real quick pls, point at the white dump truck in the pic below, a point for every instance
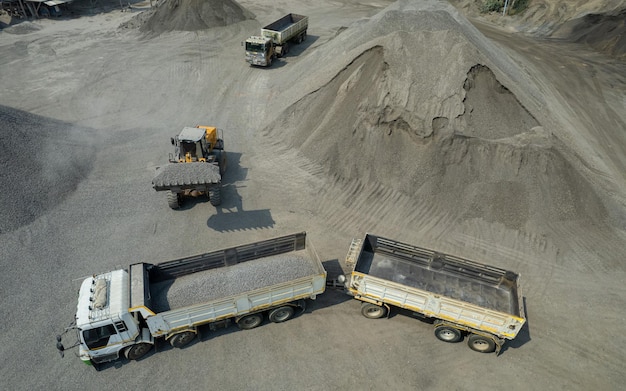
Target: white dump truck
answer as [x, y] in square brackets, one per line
[464, 298]
[124, 312]
[275, 39]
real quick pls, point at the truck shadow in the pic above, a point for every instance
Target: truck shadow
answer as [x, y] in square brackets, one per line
[295, 50]
[523, 336]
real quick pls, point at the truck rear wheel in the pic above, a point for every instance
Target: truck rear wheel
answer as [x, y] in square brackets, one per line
[481, 344]
[173, 200]
[137, 351]
[373, 311]
[250, 321]
[281, 314]
[215, 195]
[448, 334]
[182, 339]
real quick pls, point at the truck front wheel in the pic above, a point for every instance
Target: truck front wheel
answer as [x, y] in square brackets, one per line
[373, 311]
[281, 314]
[137, 351]
[182, 339]
[481, 344]
[250, 321]
[448, 334]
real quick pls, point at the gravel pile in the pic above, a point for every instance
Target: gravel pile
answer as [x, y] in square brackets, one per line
[189, 15]
[456, 136]
[42, 161]
[180, 174]
[218, 283]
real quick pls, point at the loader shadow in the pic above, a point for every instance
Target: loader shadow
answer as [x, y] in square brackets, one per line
[231, 216]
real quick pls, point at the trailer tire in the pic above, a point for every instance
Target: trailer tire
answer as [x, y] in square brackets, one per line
[448, 334]
[173, 200]
[137, 351]
[281, 314]
[250, 321]
[481, 344]
[182, 339]
[215, 195]
[373, 311]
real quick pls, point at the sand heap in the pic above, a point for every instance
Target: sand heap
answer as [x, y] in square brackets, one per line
[42, 162]
[189, 15]
[420, 110]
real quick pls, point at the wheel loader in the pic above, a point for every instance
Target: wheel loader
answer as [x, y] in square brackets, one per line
[195, 168]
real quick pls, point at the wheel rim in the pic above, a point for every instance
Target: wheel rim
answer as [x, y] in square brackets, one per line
[374, 312]
[282, 314]
[447, 335]
[481, 345]
[250, 322]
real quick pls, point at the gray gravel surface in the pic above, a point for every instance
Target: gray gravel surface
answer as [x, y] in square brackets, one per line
[135, 91]
[228, 281]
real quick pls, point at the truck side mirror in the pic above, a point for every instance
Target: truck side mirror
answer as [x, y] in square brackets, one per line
[172, 141]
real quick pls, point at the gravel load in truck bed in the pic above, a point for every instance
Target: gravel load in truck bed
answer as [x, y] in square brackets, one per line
[186, 174]
[227, 281]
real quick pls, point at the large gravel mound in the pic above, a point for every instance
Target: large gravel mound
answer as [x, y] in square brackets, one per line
[451, 135]
[189, 15]
[42, 161]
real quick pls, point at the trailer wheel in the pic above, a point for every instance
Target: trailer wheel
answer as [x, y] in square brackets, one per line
[137, 351]
[182, 339]
[215, 195]
[173, 200]
[250, 321]
[373, 311]
[481, 344]
[448, 334]
[281, 314]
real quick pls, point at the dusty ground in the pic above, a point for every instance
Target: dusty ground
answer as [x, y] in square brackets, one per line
[408, 123]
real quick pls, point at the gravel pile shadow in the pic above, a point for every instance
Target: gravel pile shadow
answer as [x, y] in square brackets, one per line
[605, 33]
[189, 15]
[42, 161]
[433, 122]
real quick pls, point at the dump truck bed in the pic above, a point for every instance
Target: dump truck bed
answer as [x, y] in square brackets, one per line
[439, 285]
[181, 176]
[196, 290]
[285, 28]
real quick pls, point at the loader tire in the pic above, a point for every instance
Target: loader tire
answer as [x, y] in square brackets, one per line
[215, 195]
[173, 200]
[137, 351]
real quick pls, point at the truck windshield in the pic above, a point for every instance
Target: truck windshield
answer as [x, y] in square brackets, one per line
[98, 337]
[255, 47]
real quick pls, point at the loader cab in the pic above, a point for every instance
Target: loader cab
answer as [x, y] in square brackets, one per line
[191, 145]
